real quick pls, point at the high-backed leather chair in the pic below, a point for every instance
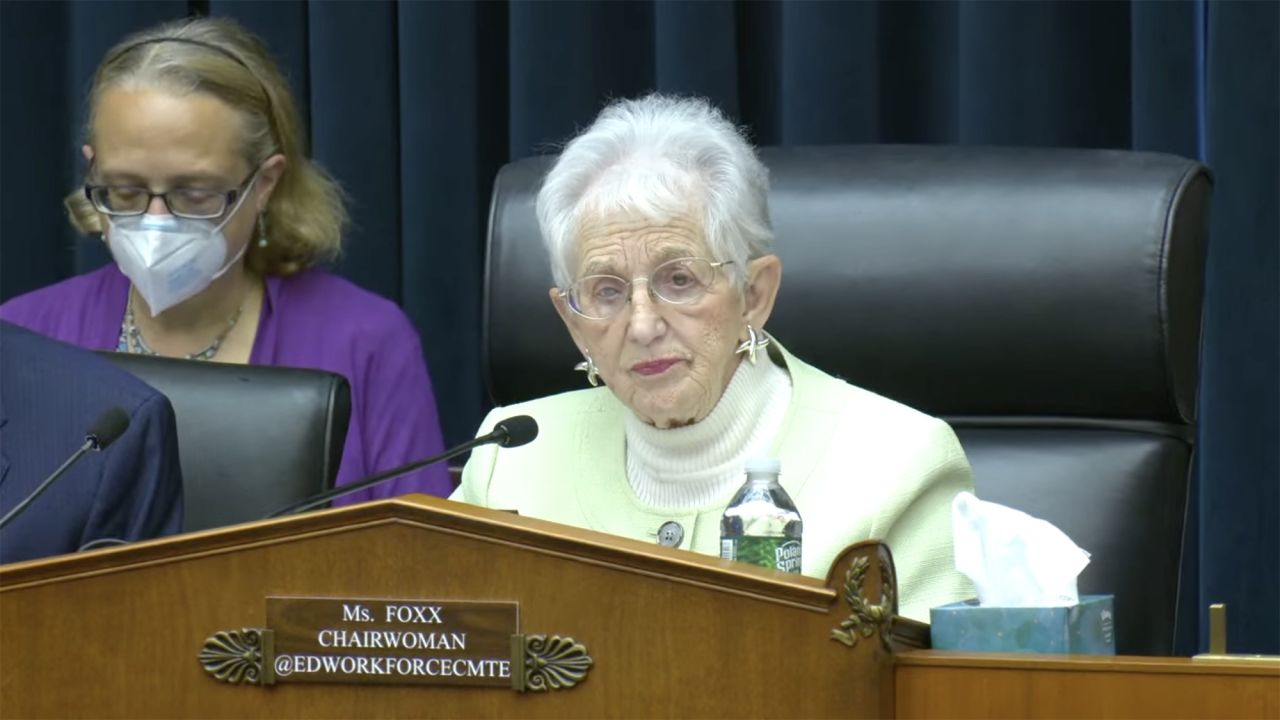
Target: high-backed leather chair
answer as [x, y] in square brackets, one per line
[252, 439]
[1045, 302]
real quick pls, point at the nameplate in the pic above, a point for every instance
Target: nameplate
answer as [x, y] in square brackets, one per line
[427, 642]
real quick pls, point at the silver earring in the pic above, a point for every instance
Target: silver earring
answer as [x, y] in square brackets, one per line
[262, 230]
[755, 341]
[588, 366]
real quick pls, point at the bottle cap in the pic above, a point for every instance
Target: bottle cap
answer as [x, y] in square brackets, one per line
[763, 466]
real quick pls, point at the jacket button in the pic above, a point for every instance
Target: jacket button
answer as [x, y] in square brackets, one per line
[670, 534]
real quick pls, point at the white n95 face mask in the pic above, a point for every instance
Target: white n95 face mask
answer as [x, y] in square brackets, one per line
[169, 259]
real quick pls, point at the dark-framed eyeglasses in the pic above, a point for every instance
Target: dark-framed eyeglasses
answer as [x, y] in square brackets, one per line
[192, 203]
[676, 282]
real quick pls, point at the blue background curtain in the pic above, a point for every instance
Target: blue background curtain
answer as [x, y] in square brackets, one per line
[414, 105]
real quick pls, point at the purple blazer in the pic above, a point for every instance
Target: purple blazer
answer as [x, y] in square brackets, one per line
[310, 320]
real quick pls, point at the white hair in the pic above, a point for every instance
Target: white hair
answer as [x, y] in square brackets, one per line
[658, 157]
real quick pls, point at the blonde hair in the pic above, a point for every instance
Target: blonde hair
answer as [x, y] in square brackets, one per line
[306, 214]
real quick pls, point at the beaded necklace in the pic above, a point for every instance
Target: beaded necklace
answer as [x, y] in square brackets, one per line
[131, 340]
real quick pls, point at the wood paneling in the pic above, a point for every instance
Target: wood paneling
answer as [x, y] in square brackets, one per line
[933, 684]
[115, 633]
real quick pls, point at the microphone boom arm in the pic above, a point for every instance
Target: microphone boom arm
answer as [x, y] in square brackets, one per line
[90, 443]
[498, 435]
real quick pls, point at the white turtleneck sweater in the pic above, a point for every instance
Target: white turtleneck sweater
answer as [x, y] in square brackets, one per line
[857, 465]
[700, 465]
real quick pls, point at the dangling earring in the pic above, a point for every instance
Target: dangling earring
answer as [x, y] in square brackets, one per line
[262, 230]
[589, 367]
[755, 341]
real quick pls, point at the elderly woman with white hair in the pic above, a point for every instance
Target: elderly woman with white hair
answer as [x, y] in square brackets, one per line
[657, 225]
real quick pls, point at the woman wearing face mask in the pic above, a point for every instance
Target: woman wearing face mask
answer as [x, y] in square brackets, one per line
[216, 220]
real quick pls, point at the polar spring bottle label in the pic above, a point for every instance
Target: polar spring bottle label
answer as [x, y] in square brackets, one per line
[779, 553]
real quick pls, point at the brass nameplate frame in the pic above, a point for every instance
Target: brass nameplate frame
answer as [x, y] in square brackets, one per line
[1218, 642]
[394, 642]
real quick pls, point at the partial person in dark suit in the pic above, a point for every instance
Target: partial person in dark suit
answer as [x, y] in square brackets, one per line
[50, 395]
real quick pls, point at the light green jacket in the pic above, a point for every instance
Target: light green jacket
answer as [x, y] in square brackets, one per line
[857, 465]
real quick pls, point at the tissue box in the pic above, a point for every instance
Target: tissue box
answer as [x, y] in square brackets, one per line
[1082, 629]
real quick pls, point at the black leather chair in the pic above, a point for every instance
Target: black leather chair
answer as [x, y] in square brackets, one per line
[1045, 302]
[252, 439]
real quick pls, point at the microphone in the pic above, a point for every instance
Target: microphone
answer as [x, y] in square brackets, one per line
[512, 432]
[109, 426]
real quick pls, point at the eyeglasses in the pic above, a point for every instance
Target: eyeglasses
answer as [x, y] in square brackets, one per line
[677, 282]
[193, 203]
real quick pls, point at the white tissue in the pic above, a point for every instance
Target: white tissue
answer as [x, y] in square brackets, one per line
[1013, 559]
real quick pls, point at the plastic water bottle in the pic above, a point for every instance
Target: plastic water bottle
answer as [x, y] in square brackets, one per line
[761, 525]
